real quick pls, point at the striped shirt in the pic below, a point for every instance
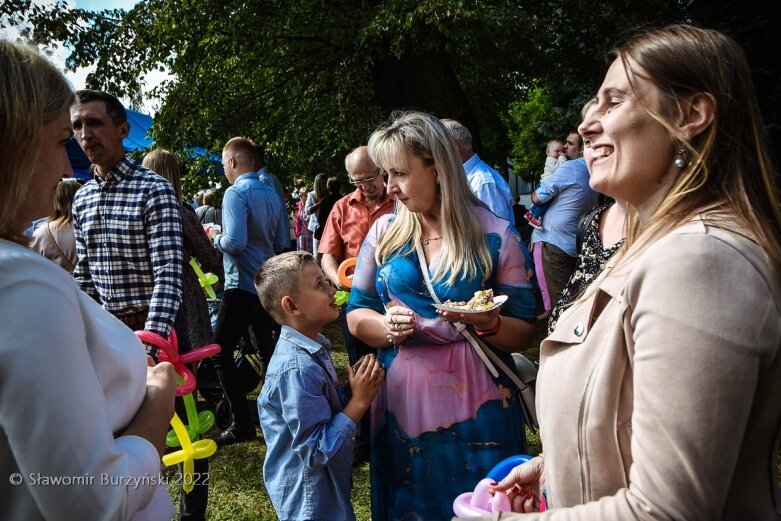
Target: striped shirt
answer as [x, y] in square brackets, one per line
[129, 243]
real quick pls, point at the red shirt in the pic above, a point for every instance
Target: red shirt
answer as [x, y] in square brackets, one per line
[349, 222]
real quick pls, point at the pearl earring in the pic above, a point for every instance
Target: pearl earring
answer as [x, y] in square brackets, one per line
[680, 161]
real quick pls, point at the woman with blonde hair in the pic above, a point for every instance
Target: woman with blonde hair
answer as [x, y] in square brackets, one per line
[79, 407]
[671, 357]
[55, 239]
[442, 419]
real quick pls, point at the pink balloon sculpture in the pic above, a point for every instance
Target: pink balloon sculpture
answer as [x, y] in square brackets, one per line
[169, 352]
[481, 502]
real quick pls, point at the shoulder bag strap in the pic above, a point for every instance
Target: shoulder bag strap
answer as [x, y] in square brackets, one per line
[68, 265]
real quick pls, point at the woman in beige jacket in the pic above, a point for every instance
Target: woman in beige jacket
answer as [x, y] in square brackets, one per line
[659, 391]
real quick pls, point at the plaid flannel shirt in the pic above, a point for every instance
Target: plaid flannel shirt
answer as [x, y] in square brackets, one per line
[129, 243]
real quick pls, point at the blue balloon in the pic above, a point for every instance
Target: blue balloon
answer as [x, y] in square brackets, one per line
[501, 469]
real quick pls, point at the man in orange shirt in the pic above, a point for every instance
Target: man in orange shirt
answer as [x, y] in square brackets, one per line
[346, 228]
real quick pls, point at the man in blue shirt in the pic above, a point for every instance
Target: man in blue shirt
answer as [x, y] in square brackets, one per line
[554, 246]
[253, 230]
[265, 176]
[486, 183]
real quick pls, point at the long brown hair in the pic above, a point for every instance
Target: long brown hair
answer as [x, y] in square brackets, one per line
[729, 168]
[63, 202]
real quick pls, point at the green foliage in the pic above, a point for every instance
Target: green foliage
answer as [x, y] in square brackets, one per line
[532, 121]
[309, 80]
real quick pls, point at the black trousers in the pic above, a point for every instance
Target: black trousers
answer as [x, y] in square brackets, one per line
[240, 310]
[356, 348]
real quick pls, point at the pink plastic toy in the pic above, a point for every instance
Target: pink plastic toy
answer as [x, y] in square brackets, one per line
[169, 352]
[481, 502]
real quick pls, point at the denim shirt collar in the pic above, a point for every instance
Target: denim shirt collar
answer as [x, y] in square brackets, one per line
[303, 341]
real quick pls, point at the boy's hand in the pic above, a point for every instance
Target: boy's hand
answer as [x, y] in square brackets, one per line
[365, 380]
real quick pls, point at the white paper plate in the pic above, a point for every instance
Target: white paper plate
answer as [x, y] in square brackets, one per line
[498, 301]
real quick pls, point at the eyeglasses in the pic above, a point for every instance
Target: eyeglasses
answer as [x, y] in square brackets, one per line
[359, 182]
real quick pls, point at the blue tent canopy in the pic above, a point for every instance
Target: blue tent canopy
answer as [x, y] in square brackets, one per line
[137, 138]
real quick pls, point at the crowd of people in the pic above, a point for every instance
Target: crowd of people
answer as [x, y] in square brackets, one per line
[661, 305]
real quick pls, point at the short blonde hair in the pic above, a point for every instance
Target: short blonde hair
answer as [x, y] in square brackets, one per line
[280, 277]
[32, 92]
[242, 148]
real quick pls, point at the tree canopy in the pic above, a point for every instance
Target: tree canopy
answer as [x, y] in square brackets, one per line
[310, 79]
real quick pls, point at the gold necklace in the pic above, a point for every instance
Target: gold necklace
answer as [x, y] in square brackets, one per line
[427, 240]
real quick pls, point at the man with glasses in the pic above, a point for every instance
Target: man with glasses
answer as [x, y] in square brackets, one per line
[346, 228]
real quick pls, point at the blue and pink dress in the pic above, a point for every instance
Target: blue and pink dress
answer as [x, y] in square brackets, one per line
[440, 421]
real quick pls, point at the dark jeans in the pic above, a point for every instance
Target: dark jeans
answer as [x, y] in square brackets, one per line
[558, 268]
[240, 309]
[355, 350]
[538, 210]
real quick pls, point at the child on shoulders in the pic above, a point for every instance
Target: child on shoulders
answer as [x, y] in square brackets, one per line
[307, 421]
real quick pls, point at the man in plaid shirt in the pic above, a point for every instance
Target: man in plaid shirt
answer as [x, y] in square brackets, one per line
[127, 223]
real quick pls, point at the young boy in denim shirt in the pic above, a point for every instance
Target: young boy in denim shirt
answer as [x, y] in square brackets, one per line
[308, 433]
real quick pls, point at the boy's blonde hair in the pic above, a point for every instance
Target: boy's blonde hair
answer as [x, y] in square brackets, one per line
[280, 276]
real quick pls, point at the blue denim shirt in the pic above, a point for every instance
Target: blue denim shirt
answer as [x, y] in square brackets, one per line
[273, 181]
[571, 198]
[252, 228]
[309, 440]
